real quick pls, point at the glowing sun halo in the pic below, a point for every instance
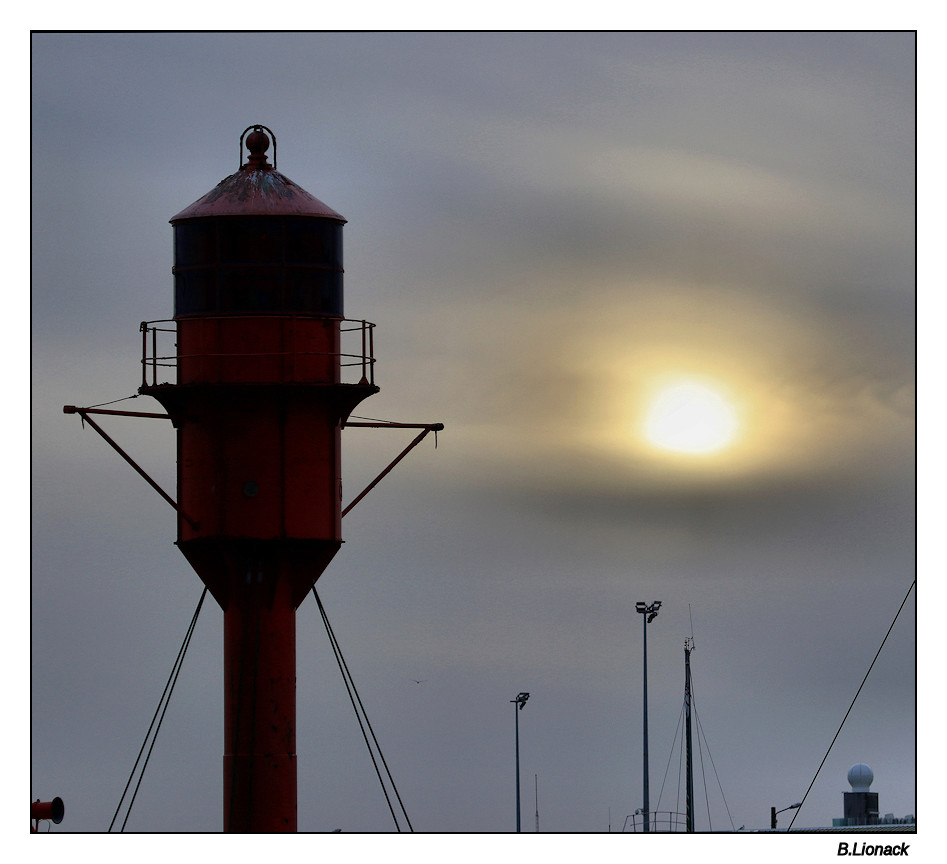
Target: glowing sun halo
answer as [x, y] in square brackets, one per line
[690, 418]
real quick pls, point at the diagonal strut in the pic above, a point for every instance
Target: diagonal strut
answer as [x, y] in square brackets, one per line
[424, 427]
[84, 414]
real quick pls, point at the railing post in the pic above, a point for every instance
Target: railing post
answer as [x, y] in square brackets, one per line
[371, 353]
[144, 353]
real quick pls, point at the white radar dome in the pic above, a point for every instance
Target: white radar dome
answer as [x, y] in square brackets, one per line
[860, 777]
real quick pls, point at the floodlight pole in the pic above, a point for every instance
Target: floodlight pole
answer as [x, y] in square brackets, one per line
[519, 702]
[648, 614]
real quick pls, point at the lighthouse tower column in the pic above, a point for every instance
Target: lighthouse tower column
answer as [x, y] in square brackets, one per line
[260, 708]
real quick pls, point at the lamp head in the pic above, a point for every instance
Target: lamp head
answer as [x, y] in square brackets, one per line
[651, 611]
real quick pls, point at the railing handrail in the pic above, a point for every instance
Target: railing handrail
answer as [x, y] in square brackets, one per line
[347, 359]
[674, 820]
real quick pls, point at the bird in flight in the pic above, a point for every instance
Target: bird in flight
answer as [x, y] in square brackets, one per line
[415, 680]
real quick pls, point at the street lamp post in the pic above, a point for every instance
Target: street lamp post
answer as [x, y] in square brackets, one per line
[773, 813]
[649, 613]
[519, 702]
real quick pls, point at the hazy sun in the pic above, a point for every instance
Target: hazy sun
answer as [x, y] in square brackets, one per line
[692, 418]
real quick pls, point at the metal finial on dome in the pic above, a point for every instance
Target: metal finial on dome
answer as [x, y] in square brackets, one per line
[257, 143]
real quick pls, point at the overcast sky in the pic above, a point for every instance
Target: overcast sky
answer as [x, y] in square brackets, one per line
[545, 228]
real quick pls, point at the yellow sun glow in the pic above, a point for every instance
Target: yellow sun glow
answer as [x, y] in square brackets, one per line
[689, 417]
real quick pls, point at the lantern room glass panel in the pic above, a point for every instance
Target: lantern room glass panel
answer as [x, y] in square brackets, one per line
[265, 265]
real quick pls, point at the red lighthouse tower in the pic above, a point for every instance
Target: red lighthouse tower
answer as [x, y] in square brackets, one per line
[258, 406]
[268, 371]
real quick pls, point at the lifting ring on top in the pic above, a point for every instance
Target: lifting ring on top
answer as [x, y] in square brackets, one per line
[256, 127]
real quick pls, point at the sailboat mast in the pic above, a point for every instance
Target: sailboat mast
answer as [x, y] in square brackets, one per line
[536, 777]
[688, 645]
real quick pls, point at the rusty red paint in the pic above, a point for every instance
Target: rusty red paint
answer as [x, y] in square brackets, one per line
[260, 706]
[257, 189]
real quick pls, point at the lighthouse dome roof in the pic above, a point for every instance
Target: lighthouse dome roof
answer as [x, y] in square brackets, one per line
[257, 189]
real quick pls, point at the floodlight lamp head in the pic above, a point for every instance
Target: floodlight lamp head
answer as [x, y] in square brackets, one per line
[521, 700]
[641, 607]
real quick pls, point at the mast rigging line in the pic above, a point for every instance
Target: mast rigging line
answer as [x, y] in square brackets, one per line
[700, 735]
[113, 401]
[667, 767]
[852, 705]
[163, 701]
[361, 715]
